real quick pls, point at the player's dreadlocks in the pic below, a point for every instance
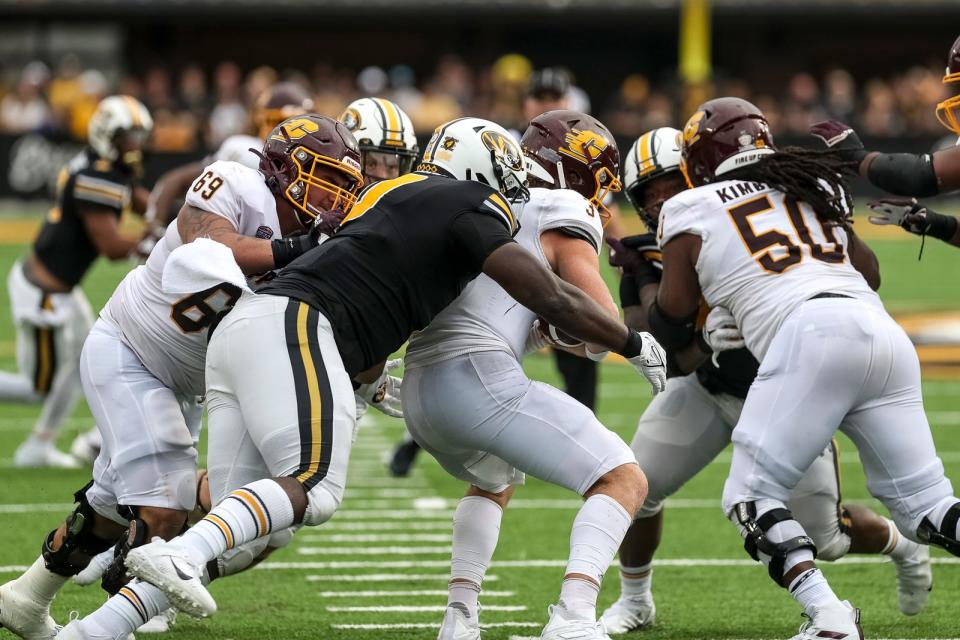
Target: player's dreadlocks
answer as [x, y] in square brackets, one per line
[812, 176]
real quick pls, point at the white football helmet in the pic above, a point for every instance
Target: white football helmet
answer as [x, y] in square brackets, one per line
[480, 150]
[655, 153]
[382, 129]
[116, 117]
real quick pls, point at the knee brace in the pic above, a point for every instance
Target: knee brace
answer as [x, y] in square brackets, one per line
[80, 544]
[239, 558]
[946, 536]
[321, 505]
[758, 542]
[115, 576]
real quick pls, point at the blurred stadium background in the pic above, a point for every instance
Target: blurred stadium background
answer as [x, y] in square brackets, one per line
[636, 64]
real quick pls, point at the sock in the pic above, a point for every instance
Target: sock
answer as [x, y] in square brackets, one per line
[636, 582]
[898, 546]
[810, 589]
[596, 535]
[476, 529]
[123, 613]
[580, 597]
[40, 582]
[253, 511]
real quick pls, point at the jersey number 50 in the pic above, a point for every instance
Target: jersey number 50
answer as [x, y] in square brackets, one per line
[762, 246]
[198, 310]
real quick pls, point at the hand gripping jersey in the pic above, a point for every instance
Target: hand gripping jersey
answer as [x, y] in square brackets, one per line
[168, 332]
[406, 250]
[485, 317]
[763, 254]
[87, 183]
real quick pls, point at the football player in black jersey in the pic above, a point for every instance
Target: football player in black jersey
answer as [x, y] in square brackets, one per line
[909, 174]
[687, 426]
[51, 314]
[282, 366]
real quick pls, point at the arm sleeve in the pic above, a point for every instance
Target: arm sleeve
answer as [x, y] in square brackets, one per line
[216, 190]
[904, 174]
[100, 190]
[475, 235]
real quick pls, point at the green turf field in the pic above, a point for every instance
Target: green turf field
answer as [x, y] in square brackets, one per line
[378, 570]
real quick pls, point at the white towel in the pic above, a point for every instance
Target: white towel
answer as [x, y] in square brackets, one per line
[199, 265]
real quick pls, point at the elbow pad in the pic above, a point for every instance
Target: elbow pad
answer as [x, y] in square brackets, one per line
[673, 334]
[904, 174]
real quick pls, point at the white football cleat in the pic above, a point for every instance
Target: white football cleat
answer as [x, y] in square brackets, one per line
[167, 566]
[22, 615]
[94, 571]
[86, 446]
[567, 625]
[629, 614]
[160, 623]
[36, 453]
[834, 621]
[458, 625]
[914, 580]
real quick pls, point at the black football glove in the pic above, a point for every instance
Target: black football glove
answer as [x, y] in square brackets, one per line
[841, 138]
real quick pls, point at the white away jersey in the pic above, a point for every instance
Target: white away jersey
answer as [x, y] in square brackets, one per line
[237, 149]
[762, 254]
[169, 332]
[484, 317]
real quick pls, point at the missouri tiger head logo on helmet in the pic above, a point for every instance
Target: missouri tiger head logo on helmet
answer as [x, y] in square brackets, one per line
[651, 172]
[281, 101]
[480, 150]
[313, 163]
[388, 144]
[948, 111]
[571, 150]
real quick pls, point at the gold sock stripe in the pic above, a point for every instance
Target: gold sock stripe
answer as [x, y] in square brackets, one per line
[253, 504]
[134, 601]
[224, 528]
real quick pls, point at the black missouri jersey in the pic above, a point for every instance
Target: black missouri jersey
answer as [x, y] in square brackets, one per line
[406, 250]
[87, 183]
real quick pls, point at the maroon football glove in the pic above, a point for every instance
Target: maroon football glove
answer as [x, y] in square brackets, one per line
[841, 138]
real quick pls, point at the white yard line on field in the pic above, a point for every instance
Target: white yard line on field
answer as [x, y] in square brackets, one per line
[425, 625]
[387, 577]
[405, 514]
[430, 608]
[389, 537]
[373, 551]
[363, 493]
[422, 525]
[407, 593]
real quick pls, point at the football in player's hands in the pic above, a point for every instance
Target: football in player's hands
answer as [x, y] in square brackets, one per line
[556, 337]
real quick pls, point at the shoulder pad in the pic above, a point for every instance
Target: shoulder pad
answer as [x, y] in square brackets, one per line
[102, 188]
[567, 209]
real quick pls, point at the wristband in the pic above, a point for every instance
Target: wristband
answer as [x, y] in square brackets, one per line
[633, 346]
[940, 226]
[286, 250]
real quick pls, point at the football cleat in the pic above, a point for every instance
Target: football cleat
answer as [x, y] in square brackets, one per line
[914, 581]
[458, 625]
[565, 624]
[629, 614]
[36, 453]
[86, 446]
[160, 623]
[167, 566]
[833, 622]
[22, 615]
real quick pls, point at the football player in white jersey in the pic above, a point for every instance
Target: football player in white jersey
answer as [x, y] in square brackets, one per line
[762, 235]
[685, 427]
[142, 365]
[468, 402]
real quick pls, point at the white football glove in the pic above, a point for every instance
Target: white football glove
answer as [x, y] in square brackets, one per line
[94, 571]
[651, 362]
[903, 212]
[384, 394]
[720, 331]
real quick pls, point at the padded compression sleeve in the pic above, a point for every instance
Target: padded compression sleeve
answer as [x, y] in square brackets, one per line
[904, 174]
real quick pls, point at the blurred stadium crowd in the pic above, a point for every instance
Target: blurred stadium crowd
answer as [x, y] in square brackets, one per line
[197, 108]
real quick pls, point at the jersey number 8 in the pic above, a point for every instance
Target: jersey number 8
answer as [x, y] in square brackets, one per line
[198, 310]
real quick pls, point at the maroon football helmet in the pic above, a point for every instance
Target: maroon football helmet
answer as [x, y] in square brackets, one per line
[571, 150]
[281, 101]
[948, 111]
[295, 155]
[724, 134]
